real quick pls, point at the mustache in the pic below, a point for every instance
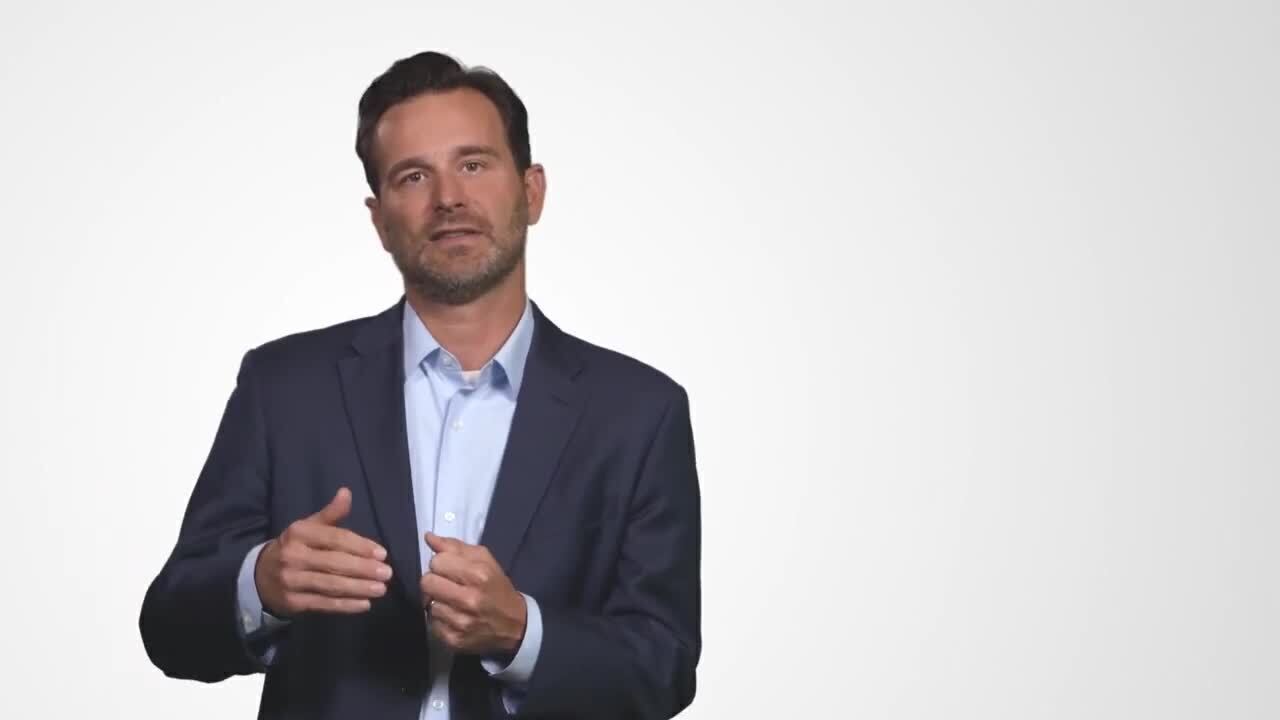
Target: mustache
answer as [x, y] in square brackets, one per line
[457, 220]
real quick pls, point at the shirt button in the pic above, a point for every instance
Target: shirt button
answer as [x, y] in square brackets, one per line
[437, 704]
[457, 424]
[449, 517]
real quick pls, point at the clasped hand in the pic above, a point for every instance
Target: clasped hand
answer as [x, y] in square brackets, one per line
[316, 566]
[471, 605]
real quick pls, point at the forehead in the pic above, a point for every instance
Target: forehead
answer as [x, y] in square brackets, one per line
[435, 123]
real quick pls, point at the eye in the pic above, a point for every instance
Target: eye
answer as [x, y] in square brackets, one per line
[472, 166]
[414, 177]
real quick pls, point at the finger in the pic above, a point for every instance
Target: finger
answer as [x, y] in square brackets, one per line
[449, 616]
[455, 567]
[336, 562]
[337, 586]
[443, 590]
[439, 543]
[311, 602]
[337, 508]
[452, 627]
[446, 634]
[323, 537]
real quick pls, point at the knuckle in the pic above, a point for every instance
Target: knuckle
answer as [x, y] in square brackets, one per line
[323, 583]
[290, 553]
[303, 580]
[325, 562]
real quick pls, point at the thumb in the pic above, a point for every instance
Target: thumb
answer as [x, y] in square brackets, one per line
[337, 508]
[439, 544]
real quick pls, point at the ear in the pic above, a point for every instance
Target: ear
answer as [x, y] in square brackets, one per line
[375, 216]
[535, 191]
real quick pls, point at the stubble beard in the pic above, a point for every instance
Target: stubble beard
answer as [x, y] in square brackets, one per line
[437, 284]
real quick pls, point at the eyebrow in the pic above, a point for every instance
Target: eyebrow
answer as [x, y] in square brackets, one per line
[459, 152]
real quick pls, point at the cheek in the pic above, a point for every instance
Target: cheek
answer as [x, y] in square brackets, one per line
[402, 222]
[496, 199]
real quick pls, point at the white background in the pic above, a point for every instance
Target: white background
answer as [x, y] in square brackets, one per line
[976, 304]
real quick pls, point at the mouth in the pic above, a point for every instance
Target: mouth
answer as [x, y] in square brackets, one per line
[453, 233]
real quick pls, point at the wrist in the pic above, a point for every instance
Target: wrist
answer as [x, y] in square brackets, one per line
[263, 586]
[514, 636]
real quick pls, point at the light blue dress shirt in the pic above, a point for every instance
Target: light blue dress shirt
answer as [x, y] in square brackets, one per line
[457, 424]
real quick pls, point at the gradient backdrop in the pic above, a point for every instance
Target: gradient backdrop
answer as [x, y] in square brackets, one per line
[976, 303]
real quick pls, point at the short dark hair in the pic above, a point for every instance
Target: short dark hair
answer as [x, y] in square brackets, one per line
[429, 72]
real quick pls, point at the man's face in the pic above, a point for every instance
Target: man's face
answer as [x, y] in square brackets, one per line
[452, 209]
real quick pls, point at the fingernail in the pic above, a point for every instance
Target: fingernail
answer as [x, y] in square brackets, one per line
[384, 572]
[380, 553]
[377, 588]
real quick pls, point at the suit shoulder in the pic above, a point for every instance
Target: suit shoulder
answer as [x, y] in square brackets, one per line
[615, 371]
[308, 348]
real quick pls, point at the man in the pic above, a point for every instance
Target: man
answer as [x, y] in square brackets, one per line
[451, 509]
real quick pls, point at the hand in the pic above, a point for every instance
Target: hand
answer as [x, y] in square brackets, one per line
[473, 606]
[315, 565]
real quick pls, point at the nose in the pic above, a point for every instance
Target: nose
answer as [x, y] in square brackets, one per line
[449, 195]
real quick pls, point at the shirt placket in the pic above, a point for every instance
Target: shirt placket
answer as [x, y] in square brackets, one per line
[448, 516]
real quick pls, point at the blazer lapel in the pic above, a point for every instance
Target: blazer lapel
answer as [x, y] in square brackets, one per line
[547, 409]
[373, 386]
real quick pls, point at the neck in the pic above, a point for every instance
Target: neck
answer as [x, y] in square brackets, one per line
[473, 333]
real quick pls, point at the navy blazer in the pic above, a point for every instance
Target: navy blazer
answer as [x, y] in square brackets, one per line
[595, 515]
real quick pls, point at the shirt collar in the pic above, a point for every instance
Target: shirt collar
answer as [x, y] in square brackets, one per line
[420, 346]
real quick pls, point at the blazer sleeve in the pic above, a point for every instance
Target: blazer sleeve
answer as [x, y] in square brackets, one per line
[189, 621]
[637, 657]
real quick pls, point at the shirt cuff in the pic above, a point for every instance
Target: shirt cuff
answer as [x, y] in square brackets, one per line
[520, 669]
[253, 617]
